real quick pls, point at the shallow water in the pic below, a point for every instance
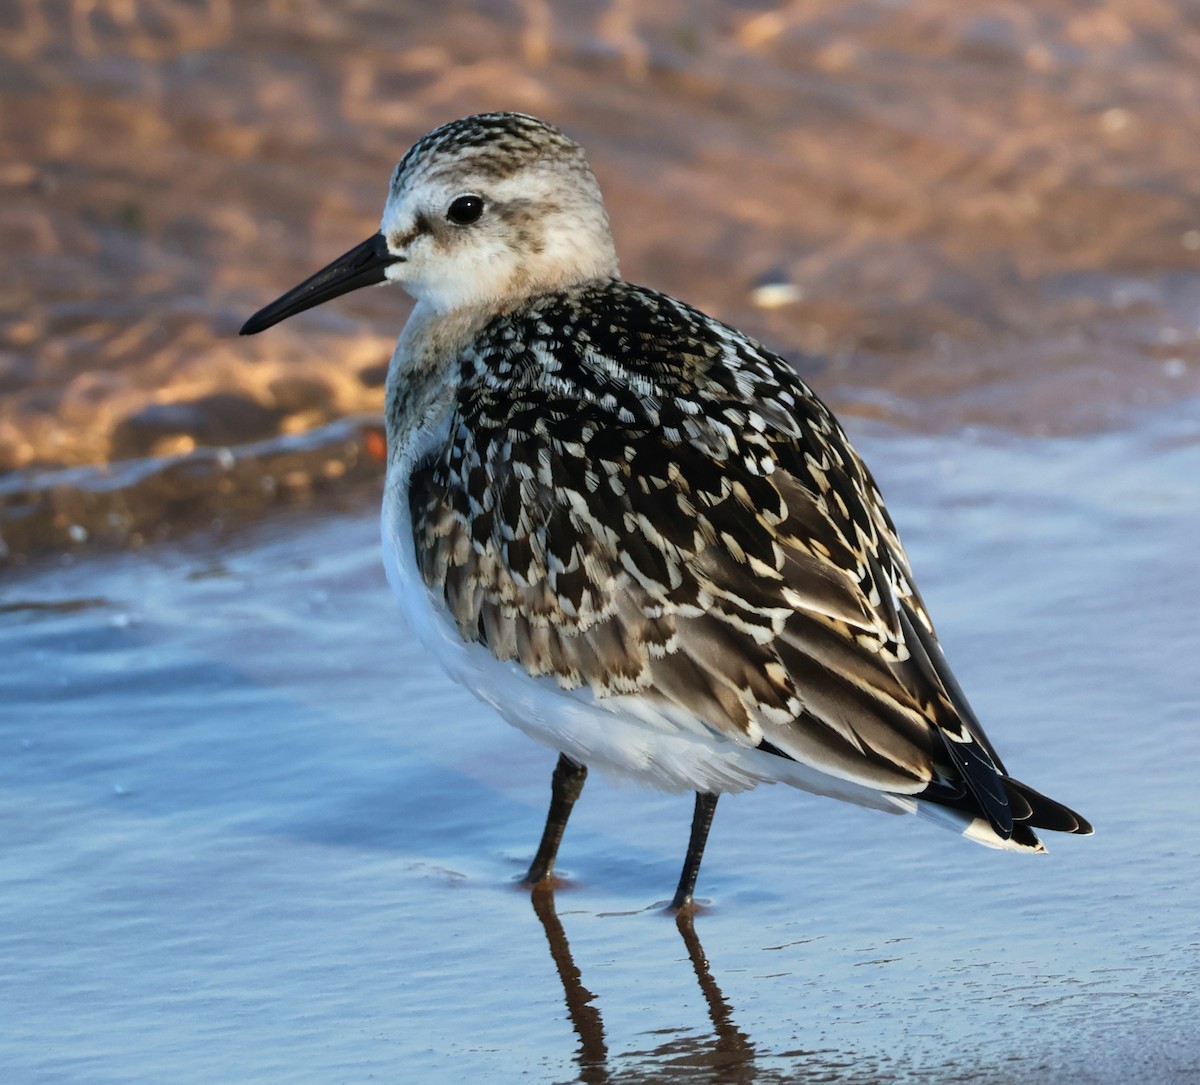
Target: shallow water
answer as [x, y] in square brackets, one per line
[252, 834]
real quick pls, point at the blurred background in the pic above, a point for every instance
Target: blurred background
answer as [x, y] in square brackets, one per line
[948, 214]
[251, 834]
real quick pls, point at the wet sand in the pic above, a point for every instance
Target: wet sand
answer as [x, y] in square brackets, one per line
[251, 834]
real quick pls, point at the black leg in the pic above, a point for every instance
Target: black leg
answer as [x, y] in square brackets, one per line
[565, 787]
[706, 806]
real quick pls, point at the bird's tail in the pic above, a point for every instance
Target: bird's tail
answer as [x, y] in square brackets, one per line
[1030, 810]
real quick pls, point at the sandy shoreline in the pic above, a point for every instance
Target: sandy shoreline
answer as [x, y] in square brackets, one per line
[976, 218]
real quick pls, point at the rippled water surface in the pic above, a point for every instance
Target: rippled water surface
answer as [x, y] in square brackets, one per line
[250, 833]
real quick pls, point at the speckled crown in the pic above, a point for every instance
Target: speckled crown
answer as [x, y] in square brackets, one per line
[506, 141]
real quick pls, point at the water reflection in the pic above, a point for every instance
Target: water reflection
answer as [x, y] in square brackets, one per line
[585, 1017]
[249, 700]
[726, 1057]
[733, 1049]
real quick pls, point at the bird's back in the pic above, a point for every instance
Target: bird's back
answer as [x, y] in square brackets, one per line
[641, 503]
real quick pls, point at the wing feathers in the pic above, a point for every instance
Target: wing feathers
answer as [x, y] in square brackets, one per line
[690, 524]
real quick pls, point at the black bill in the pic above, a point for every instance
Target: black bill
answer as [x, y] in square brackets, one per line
[363, 265]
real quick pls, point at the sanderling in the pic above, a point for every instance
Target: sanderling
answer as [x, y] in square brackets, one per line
[634, 531]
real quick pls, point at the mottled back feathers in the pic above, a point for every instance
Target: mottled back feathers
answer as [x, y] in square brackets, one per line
[635, 498]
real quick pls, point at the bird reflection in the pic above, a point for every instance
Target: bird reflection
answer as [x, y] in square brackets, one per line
[725, 1058]
[732, 1049]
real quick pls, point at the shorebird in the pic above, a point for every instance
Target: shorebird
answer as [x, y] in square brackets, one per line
[633, 530]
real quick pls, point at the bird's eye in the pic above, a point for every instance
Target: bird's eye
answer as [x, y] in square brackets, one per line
[465, 210]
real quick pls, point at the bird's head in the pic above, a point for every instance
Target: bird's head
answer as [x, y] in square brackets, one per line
[481, 213]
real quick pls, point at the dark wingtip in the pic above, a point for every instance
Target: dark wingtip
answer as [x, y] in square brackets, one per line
[1083, 827]
[1029, 810]
[1046, 813]
[984, 781]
